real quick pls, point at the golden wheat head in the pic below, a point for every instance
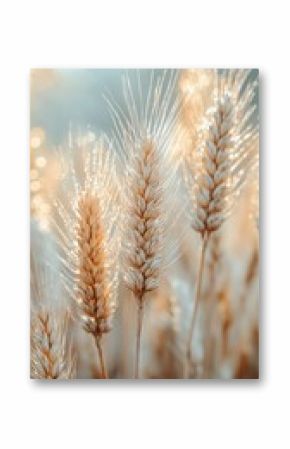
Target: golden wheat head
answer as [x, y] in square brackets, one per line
[229, 132]
[144, 132]
[87, 234]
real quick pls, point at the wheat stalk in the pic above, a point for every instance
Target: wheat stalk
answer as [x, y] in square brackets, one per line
[250, 276]
[88, 239]
[213, 262]
[144, 131]
[214, 255]
[224, 160]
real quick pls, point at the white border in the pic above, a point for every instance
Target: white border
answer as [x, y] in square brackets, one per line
[151, 34]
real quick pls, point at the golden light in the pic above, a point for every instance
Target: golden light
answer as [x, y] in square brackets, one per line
[37, 137]
[40, 162]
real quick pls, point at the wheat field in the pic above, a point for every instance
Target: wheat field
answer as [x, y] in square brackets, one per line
[144, 189]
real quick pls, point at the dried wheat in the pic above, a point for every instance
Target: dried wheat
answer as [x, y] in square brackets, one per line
[88, 238]
[144, 131]
[229, 131]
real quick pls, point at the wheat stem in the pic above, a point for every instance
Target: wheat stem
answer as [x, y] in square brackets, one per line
[208, 337]
[99, 345]
[195, 307]
[138, 338]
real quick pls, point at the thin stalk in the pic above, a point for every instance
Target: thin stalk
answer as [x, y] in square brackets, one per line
[138, 338]
[195, 308]
[208, 349]
[104, 373]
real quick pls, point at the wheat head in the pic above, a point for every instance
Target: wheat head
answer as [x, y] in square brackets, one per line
[227, 151]
[87, 234]
[217, 171]
[213, 181]
[51, 353]
[144, 131]
[144, 255]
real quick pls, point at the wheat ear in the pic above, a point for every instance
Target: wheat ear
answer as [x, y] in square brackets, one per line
[224, 160]
[144, 130]
[211, 194]
[51, 353]
[51, 349]
[143, 258]
[93, 292]
[89, 242]
[212, 191]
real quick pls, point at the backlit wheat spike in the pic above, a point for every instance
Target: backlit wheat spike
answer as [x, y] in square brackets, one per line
[93, 286]
[212, 190]
[144, 251]
[224, 160]
[145, 130]
[214, 181]
[51, 354]
[89, 239]
[230, 133]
